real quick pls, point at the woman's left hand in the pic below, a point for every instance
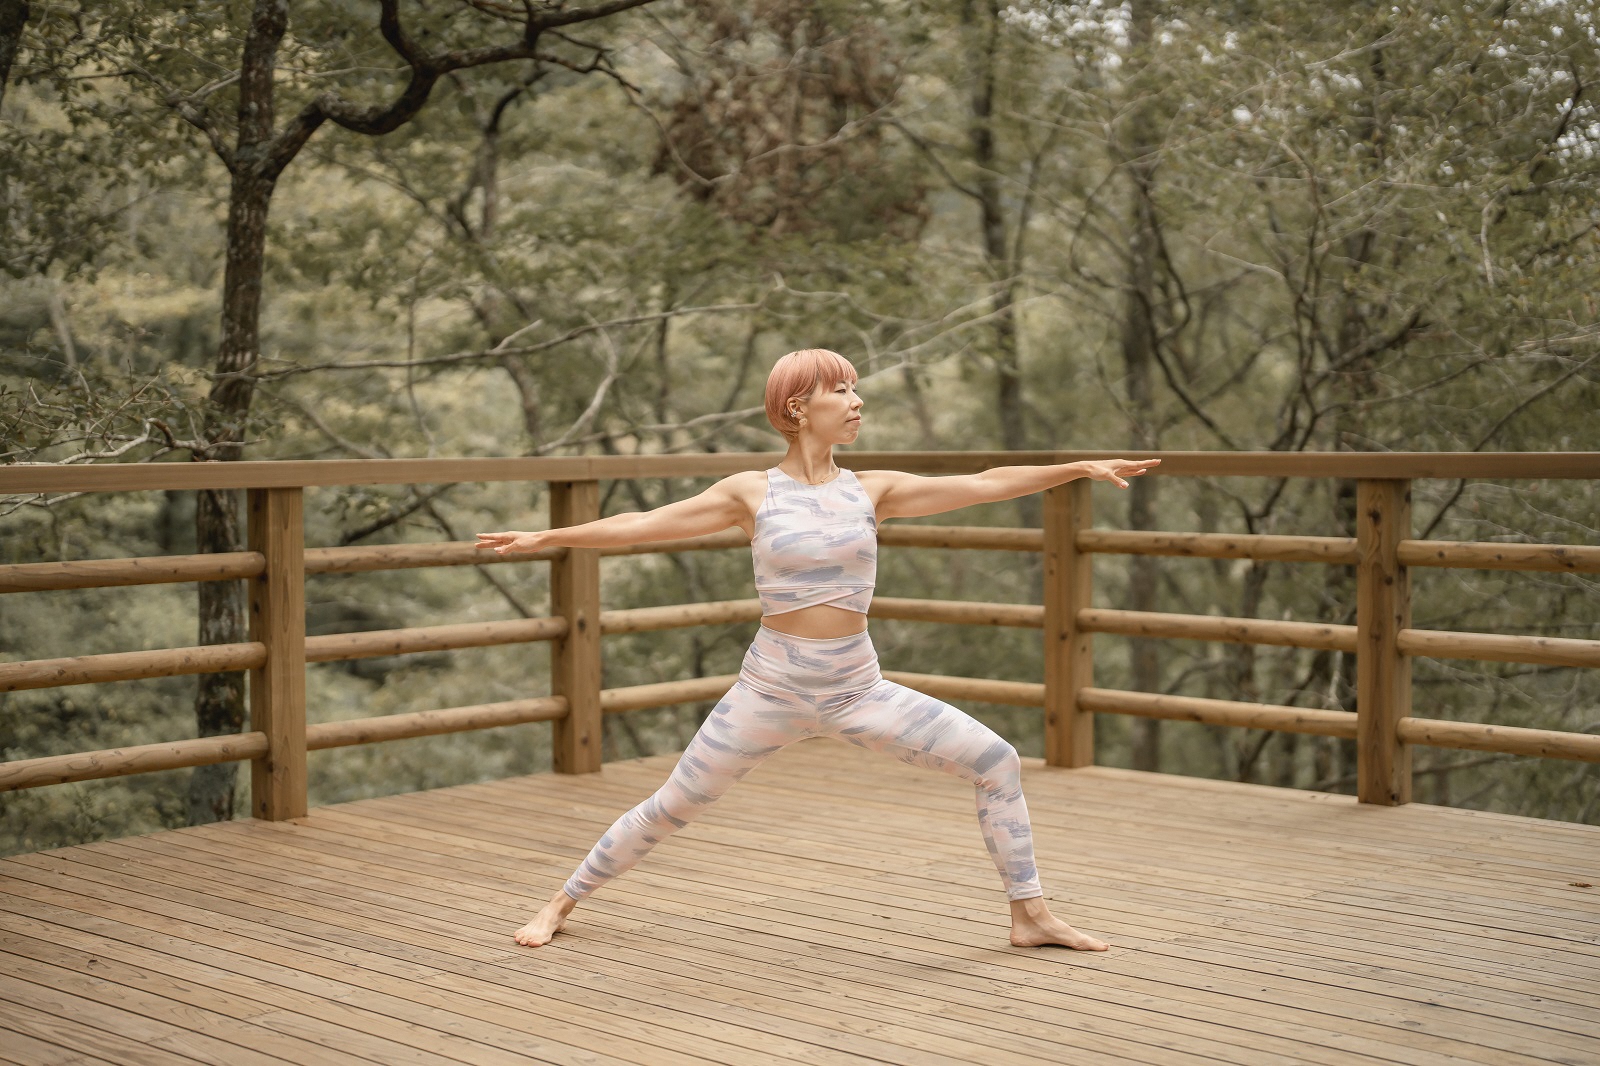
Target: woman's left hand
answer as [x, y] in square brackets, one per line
[1115, 470]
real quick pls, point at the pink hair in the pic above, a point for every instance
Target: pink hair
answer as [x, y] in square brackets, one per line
[795, 377]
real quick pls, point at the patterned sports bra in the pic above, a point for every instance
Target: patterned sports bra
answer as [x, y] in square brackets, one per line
[815, 544]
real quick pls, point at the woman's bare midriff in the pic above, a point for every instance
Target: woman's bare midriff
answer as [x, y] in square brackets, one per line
[817, 623]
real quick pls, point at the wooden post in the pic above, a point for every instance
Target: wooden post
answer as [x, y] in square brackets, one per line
[1383, 672]
[575, 658]
[278, 620]
[1068, 651]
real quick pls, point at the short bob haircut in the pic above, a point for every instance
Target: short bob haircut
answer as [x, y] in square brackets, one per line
[795, 376]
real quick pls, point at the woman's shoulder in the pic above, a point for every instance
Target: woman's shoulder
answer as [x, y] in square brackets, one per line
[749, 487]
[878, 478]
[744, 481]
[877, 482]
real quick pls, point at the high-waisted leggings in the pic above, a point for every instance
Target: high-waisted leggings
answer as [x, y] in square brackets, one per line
[791, 688]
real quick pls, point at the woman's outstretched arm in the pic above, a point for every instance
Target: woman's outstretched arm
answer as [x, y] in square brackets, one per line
[713, 510]
[912, 496]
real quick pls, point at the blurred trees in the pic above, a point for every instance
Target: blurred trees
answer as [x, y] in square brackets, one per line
[231, 87]
[1038, 224]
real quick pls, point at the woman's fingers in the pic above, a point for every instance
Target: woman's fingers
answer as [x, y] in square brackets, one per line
[500, 542]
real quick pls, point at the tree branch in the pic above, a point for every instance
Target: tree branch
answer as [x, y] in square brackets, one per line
[502, 349]
[426, 70]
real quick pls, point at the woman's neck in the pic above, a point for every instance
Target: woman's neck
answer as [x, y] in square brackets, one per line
[811, 463]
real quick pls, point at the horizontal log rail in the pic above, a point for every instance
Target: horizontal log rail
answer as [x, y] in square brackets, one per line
[1499, 647]
[141, 759]
[323, 735]
[372, 643]
[358, 558]
[677, 616]
[162, 569]
[1500, 739]
[148, 570]
[1481, 555]
[1383, 641]
[957, 612]
[665, 693]
[1220, 712]
[1468, 555]
[131, 665]
[1262, 546]
[376, 643]
[944, 687]
[985, 538]
[1324, 636]
[352, 559]
[728, 538]
[236, 747]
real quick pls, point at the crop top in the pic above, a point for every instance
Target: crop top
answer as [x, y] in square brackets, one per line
[815, 544]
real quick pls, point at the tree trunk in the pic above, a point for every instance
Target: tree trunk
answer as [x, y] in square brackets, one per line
[220, 702]
[1242, 684]
[219, 705]
[13, 17]
[1358, 383]
[1138, 347]
[986, 25]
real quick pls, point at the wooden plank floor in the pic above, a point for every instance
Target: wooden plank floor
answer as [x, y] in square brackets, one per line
[836, 907]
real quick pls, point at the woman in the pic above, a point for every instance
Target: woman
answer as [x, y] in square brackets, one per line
[812, 670]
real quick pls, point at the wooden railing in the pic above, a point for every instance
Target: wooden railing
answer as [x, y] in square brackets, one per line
[1382, 640]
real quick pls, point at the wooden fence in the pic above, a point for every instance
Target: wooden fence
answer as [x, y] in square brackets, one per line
[1382, 640]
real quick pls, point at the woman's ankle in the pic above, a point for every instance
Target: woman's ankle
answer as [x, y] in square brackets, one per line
[1034, 907]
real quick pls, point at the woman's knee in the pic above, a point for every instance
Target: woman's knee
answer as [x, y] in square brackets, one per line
[677, 803]
[1002, 767]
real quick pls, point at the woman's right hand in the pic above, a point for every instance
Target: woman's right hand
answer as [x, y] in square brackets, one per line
[514, 542]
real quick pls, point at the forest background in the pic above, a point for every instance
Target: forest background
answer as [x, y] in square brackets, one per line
[267, 230]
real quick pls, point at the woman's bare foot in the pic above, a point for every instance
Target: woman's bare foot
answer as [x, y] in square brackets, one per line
[547, 922]
[1032, 924]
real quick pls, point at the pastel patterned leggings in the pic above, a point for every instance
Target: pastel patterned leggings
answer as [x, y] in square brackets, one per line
[791, 688]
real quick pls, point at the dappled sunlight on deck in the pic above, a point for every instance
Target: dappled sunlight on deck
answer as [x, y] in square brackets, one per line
[837, 906]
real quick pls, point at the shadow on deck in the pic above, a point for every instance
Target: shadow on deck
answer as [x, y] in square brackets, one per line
[835, 907]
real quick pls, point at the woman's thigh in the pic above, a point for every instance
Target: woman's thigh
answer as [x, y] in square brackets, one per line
[743, 729]
[923, 731]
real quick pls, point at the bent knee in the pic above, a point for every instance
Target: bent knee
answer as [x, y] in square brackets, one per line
[1005, 771]
[1010, 765]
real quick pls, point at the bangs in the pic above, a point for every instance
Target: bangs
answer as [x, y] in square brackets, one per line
[834, 368]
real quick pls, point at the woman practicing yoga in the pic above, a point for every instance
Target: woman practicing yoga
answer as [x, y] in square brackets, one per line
[812, 670]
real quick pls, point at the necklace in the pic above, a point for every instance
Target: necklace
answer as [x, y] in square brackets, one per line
[818, 484]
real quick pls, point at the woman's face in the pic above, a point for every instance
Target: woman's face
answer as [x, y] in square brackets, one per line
[833, 413]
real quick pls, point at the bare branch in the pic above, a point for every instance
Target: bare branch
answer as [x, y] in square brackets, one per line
[322, 427]
[420, 501]
[1494, 429]
[922, 145]
[502, 349]
[191, 108]
[613, 361]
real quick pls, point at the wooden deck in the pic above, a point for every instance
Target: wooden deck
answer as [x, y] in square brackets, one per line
[836, 907]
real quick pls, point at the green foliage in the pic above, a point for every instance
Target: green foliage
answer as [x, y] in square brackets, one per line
[1375, 229]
